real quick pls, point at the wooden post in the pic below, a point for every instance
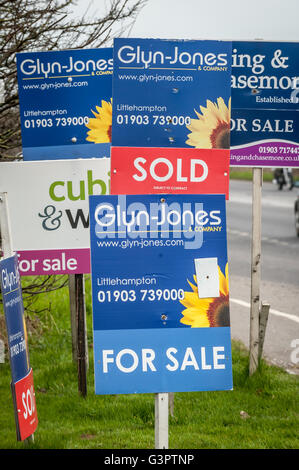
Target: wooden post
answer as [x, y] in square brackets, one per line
[263, 319]
[161, 421]
[257, 181]
[73, 312]
[78, 328]
[81, 334]
[7, 248]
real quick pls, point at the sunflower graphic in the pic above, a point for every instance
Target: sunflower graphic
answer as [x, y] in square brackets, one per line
[212, 128]
[100, 126]
[209, 312]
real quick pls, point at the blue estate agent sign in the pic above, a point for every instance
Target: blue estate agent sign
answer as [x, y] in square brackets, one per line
[166, 91]
[65, 103]
[265, 104]
[160, 293]
[265, 75]
[14, 317]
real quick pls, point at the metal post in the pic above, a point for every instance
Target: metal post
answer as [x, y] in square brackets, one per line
[257, 174]
[161, 421]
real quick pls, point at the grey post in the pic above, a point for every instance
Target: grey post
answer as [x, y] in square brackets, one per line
[257, 174]
[161, 421]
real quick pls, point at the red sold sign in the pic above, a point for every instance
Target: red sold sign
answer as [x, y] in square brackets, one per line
[147, 170]
[25, 407]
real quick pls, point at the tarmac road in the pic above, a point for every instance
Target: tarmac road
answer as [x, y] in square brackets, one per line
[279, 270]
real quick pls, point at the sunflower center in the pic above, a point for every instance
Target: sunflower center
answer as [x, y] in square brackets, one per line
[109, 132]
[218, 313]
[220, 137]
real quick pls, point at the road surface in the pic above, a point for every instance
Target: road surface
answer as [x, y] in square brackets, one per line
[279, 270]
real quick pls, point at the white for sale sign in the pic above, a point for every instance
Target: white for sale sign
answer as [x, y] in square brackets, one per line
[49, 212]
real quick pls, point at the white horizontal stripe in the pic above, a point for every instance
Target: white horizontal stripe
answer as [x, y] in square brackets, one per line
[272, 311]
[265, 141]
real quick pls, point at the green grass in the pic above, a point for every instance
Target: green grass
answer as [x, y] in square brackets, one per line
[202, 420]
[246, 174]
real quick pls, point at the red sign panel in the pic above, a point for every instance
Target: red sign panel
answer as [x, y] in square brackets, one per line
[26, 406]
[147, 170]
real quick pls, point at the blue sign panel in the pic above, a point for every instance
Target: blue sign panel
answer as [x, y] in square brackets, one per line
[160, 293]
[14, 317]
[166, 91]
[265, 104]
[265, 75]
[65, 103]
[157, 361]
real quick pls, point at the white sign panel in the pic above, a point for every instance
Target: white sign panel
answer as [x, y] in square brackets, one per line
[49, 212]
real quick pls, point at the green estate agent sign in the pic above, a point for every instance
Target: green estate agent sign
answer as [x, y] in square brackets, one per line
[50, 223]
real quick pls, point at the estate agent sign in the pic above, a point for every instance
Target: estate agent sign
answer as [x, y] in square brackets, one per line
[265, 104]
[21, 373]
[160, 293]
[65, 103]
[49, 212]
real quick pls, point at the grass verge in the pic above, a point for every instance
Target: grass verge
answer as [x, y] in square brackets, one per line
[246, 174]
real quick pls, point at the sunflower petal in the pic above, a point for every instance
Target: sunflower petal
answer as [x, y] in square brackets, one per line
[194, 317]
[100, 125]
[222, 282]
[201, 322]
[191, 300]
[193, 287]
[202, 128]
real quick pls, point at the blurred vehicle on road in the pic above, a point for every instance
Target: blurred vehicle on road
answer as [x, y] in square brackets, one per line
[283, 177]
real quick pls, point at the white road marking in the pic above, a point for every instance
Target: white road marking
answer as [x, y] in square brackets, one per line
[241, 198]
[264, 239]
[289, 316]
